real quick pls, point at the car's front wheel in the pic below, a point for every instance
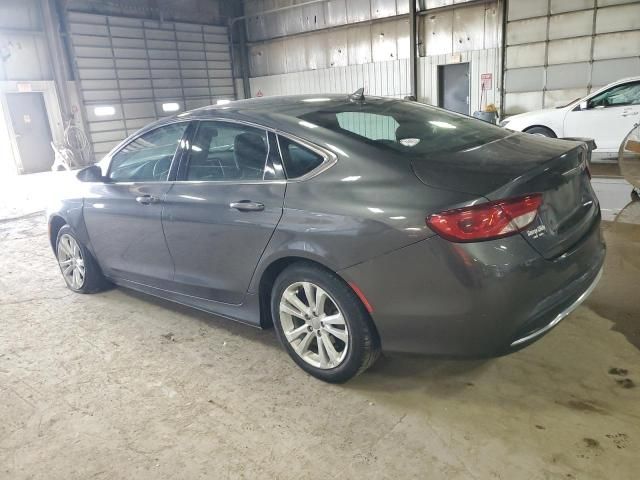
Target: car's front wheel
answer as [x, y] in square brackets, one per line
[79, 269]
[322, 323]
[544, 131]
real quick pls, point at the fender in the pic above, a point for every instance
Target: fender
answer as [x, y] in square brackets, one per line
[71, 212]
[293, 249]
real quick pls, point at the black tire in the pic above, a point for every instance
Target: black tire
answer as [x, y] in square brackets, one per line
[94, 281]
[363, 342]
[544, 131]
[635, 195]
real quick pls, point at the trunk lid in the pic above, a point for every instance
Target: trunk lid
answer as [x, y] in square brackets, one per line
[518, 165]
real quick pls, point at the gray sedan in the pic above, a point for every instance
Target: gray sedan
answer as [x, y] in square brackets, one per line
[352, 225]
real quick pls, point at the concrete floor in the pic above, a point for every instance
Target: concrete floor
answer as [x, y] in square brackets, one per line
[120, 385]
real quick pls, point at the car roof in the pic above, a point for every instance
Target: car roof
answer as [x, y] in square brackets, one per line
[277, 111]
[280, 104]
[628, 79]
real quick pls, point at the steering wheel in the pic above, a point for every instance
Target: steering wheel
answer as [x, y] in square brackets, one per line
[161, 168]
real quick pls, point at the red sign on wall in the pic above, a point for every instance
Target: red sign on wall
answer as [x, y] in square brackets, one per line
[485, 81]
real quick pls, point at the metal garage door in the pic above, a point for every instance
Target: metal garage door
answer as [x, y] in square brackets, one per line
[133, 71]
[559, 50]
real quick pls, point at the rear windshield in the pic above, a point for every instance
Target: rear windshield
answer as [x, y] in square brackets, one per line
[405, 127]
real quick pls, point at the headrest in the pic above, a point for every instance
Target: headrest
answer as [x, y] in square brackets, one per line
[250, 150]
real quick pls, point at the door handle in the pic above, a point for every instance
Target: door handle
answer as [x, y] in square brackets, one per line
[147, 199]
[247, 206]
[628, 114]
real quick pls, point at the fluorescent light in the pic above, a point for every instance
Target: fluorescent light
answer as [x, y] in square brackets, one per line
[170, 107]
[222, 101]
[353, 178]
[398, 218]
[318, 99]
[375, 210]
[440, 124]
[196, 148]
[104, 111]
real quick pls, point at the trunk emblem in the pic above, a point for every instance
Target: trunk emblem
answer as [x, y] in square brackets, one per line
[536, 232]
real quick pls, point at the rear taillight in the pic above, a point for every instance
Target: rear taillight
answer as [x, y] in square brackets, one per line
[487, 220]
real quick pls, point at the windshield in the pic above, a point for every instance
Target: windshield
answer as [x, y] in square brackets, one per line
[405, 127]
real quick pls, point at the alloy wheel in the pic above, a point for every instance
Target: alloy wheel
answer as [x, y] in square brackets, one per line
[71, 261]
[313, 325]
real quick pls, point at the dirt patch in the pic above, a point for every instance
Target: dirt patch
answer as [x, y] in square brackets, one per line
[591, 442]
[626, 383]
[618, 439]
[589, 447]
[169, 337]
[584, 406]
[618, 371]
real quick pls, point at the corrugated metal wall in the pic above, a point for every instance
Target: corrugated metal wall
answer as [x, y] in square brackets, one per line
[308, 18]
[22, 42]
[133, 67]
[485, 61]
[559, 50]
[381, 78]
[357, 45]
[24, 63]
[469, 34]
[374, 54]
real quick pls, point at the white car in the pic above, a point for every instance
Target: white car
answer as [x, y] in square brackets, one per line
[606, 115]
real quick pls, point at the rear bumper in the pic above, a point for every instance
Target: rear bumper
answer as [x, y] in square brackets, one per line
[476, 299]
[546, 324]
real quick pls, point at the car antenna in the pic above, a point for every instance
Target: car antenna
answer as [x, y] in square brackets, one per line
[357, 96]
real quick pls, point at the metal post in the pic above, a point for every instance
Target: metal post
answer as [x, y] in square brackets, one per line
[244, 61]
[56, 57]
[413, 58]
[503, 44]
[61, 14]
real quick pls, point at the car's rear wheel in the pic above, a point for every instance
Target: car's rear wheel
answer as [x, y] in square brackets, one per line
[544, 131]
[79, 269]
[322, 324]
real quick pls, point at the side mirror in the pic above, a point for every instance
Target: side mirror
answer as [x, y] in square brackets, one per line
[584, 105]
[92, 173]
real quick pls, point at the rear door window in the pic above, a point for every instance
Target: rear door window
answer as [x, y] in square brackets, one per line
[298, 160]
[227, 152]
